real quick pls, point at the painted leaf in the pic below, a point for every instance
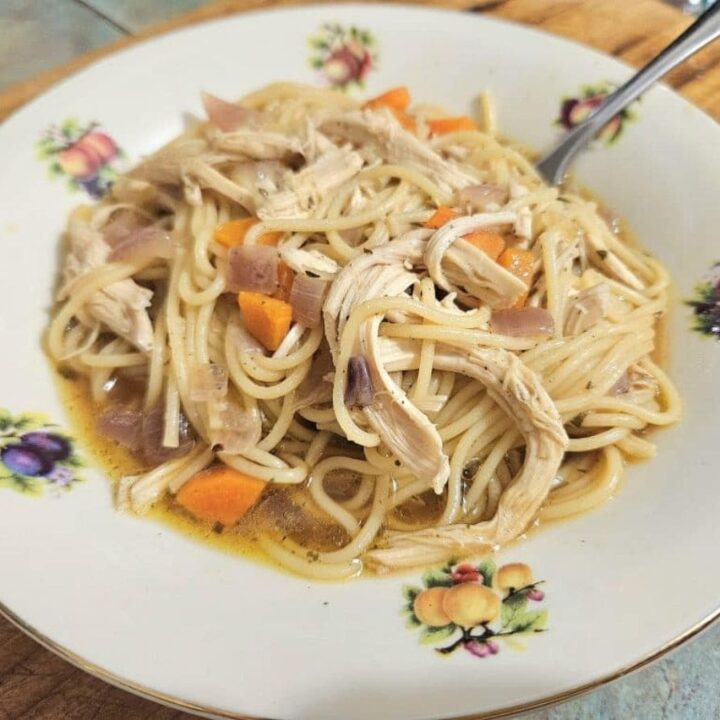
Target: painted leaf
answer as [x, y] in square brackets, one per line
[448, 566]
[437, 578]
[21, 483]
[410, 592]
[74, 462]
[705, 293]
[412, 621]
[433, 635]
[487, 569]
[527, 621]
[534, 621]
[513, 608]
[107, 172]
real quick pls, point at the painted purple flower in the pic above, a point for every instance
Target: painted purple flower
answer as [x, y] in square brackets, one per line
[347, 64]
[576, 109]
[82, 153]
[32, 449]
[344, 55]
[53, 447]
[61, 476]
[536, 595]
[25, 460]
[706, 304]
[478, 648]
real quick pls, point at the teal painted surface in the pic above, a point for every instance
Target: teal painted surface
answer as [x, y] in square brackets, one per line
[137, 14]
[37, 34]
[682, 686]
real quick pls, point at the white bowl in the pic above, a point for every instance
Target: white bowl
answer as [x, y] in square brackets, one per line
[156, 612]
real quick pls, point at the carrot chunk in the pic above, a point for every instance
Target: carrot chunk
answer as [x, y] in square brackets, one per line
[267, 319]
[440, 126]
[220, 494]
[397, 98]
[233, 232]
[491, 243]
[441, 216]
[520, 263]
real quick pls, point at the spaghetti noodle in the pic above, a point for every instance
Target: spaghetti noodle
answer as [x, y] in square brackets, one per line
[412, 345]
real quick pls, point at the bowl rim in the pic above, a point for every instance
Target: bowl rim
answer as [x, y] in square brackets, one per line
[179, 703]
[176, 701]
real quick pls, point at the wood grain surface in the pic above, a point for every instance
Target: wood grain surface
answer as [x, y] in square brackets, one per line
[633, 31]
[37, 685]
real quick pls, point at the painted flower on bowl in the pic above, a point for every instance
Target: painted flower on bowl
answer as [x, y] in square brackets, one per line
[574, 110]
[475, 606]
[344, 56]
[35, 454]
[706, 304]
[83, 154]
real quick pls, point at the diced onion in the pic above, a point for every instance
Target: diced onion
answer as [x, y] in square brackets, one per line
[522, 322]
[359, 390]
[121, 226]
[207, 382]
[306, 298]
[621, 386]
[481, 197]
[153, 429]
[144, 244]
[235, 430]
[227, 116]
[253, 268]
[121, 424]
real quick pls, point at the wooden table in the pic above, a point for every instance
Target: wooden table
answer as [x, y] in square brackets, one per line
[37, 685]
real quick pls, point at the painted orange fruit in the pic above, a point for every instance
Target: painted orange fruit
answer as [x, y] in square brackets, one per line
[514, 575]
[470, 604]
[428, 607]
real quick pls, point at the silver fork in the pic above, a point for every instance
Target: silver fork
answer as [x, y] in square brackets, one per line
[554, 166]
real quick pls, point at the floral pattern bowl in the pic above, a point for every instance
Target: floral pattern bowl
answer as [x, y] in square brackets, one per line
[148, 608]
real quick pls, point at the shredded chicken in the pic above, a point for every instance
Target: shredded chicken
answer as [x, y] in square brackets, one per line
[197, 173]
[166, 165]
[121, 306]
[607, 260]
[403, 428]
[380, 135]
[520, 393]
[457, 266]
[143, 194]
[310, 261]
[304, 189]
[587, 309]
[353, 285]
[258, 144]
[190, 164]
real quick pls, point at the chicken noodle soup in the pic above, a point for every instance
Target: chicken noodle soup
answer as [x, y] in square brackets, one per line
[368, 335]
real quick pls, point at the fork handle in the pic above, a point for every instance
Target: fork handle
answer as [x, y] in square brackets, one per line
[703, 31]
